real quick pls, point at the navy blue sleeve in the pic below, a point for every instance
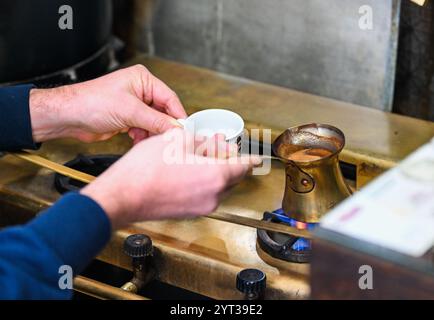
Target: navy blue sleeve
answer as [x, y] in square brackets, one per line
[15, 122]
[72, 232]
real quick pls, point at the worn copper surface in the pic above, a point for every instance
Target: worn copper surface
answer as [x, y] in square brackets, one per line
[103, 291]
[314, 181]
[203, 255]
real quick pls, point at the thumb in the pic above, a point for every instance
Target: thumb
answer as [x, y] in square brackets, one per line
[152, 120]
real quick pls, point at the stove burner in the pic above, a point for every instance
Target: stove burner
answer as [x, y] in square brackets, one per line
[93, 165]
[282, 246]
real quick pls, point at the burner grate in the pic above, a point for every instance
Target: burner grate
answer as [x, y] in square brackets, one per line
[285, 247]
[93, 165]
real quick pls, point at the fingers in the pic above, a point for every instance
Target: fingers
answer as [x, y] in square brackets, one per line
[137, 134]
[165, 98]
[149, 119]
[214, 147]
[235, 171]
[224, 149]
[219, 148]
[156, 94]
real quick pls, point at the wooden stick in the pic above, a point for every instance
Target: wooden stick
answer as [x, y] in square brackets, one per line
[221, 216]
[265, 157]
[259, 224]
[61, 169]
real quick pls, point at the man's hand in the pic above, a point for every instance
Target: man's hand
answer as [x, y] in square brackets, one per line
[165, 177]
[159, 177]
[129, 100]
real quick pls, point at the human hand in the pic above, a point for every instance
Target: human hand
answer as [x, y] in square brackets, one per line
[166, 176]
[129, 100]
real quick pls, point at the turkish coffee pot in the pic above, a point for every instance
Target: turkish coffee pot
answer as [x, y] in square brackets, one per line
[314, 181]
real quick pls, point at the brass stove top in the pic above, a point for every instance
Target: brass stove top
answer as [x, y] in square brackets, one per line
[204, 255]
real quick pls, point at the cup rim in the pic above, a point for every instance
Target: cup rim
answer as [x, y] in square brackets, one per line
[236, 115]
[312, 125]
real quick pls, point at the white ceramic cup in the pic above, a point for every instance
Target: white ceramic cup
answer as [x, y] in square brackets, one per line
[210, 122]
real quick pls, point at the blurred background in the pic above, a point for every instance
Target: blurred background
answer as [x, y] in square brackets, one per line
[313, 46]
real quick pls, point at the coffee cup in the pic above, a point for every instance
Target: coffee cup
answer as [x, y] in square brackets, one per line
[210, 122]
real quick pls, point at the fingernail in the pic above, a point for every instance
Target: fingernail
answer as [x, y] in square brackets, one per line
[256, 161]
[176, 123]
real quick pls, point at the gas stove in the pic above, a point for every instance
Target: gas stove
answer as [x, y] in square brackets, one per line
[281, 246]
[91, 164]
[198, 255]
[278, 245]
[205, 256]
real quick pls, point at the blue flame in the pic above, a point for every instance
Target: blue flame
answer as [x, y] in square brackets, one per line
[301, 244]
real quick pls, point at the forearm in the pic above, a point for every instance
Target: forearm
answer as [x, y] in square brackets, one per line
[31, 116]
[50, 112]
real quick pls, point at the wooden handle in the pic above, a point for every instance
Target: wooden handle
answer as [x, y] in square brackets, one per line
[221, 216]
[61, 169]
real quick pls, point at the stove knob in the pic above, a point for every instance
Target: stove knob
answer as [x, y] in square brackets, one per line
[138, 246]
[252, 283]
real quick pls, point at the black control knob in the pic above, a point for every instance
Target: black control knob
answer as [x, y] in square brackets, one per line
[252, 282]
[138, 246]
